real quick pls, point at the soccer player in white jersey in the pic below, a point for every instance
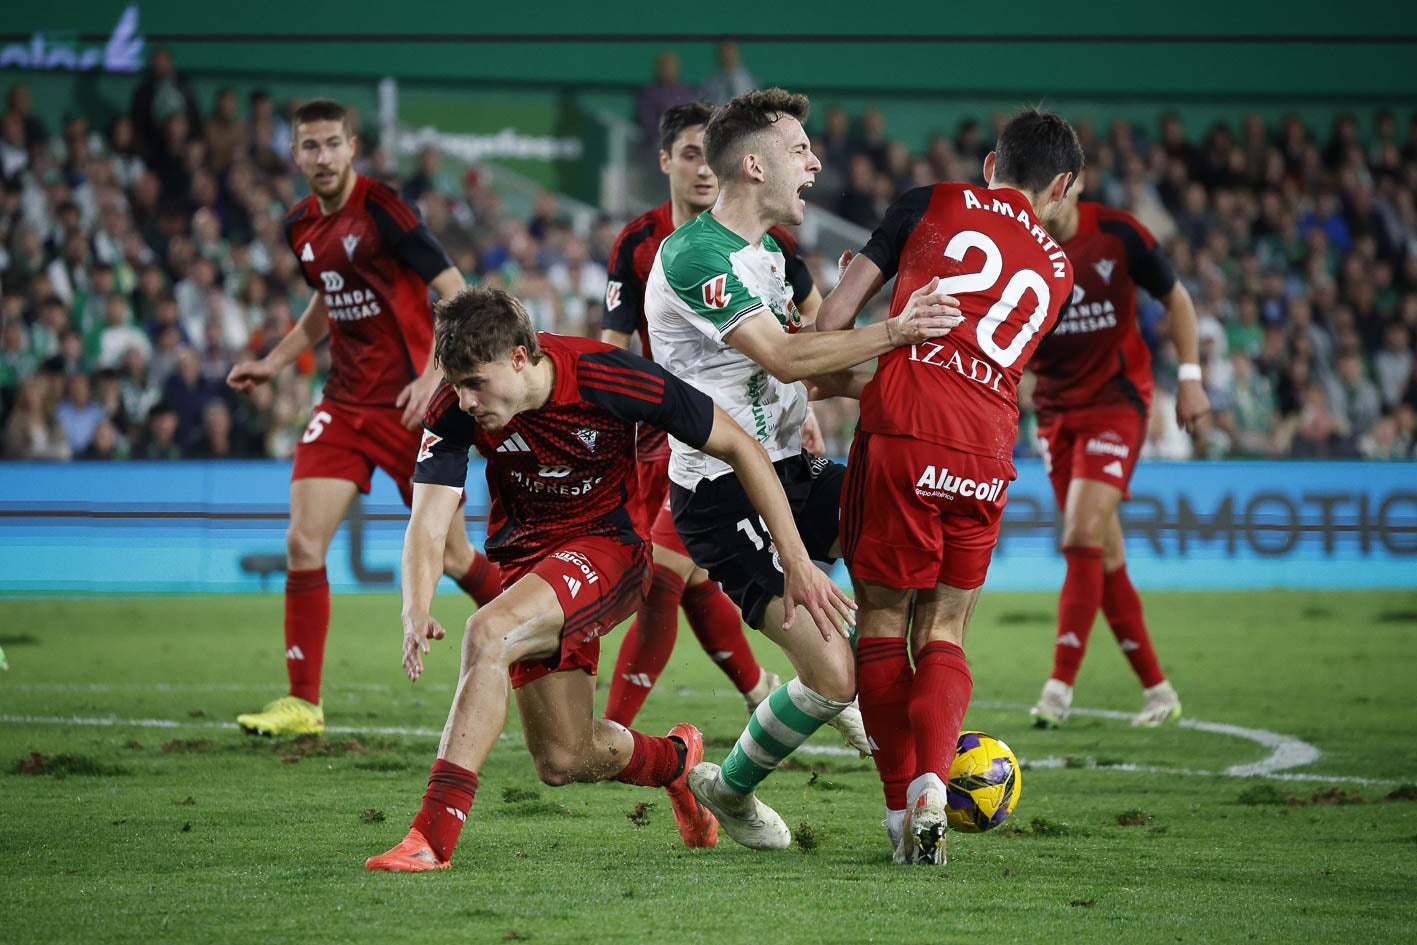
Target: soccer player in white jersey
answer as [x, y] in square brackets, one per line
[721, 316]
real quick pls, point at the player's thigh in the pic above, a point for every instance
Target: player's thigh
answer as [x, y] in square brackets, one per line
[596, 583]
[317, 506]
[680, 564]
[942, 615]
[825, 663]
[1114, 543]
[522, 623]
[882, 612]
[1089, 509]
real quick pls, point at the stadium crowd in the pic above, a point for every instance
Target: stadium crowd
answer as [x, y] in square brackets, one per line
[140, 260]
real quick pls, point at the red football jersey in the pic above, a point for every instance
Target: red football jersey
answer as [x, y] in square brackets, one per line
[632, 258]
[566, 469]
[1096, 356]
[1011, 280]
[371, 261]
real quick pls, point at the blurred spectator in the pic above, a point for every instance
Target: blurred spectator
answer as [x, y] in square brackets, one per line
[188, 392]
[119, 335]
[20, 103]
[107, 443]
[162, 94]
[32, 432]
[662, 92]
[731, 79]
[159, 441]
[78, 414]
[214, 440]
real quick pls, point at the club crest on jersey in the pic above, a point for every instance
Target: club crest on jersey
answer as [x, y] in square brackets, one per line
[307, 254]
[588, 436]
[716, 294]
[350, 241]
[425, 448]
[1104, 269]
[612, 296]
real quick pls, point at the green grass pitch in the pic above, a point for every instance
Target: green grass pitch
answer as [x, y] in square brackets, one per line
[132, 811]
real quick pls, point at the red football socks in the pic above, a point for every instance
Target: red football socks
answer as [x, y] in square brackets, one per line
[1122, 606]
[483, 580]
[715, 620]
[938, 701]
[883, 682]
[307, 624]
[1077, 609]
[451, 789]
[655, 762]
[646, 648]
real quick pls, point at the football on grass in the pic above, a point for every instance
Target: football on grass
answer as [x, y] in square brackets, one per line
[984, 783]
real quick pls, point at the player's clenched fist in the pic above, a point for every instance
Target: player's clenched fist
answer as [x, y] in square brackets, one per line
[247, 374]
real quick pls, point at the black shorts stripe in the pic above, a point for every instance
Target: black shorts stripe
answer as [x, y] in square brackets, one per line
[855, 498]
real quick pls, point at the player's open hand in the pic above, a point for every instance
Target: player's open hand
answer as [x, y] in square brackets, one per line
[414, 399]
[1191, 404]
[418, 629]
[245, 375]
[829, 606]
[928, 313]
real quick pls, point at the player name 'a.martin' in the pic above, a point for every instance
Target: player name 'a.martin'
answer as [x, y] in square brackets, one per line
[1058, 257]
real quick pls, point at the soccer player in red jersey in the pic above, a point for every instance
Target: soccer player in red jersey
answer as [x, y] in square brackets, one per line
[555, 420]
[928, 472]
[1093, 394]
[677, 581]
[370, 261]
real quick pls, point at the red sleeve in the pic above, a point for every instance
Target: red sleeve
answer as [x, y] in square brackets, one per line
[624, 293]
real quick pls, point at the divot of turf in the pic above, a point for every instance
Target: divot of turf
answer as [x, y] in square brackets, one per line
[1134, 818]
[639, 814]
[805, 838]
[63, 765]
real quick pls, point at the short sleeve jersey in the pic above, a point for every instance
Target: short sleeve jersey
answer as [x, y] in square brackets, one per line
[1011, 280]
[706, 281]
[1096, 356]
[566, 469]
[632, 259]
[371, 261]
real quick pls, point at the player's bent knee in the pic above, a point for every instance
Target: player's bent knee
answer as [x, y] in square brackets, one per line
[837, 683]
[558, 765]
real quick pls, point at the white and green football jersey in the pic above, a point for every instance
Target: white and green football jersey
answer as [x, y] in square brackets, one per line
[706, 282]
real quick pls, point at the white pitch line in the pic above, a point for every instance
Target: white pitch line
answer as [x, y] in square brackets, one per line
[1288, 752]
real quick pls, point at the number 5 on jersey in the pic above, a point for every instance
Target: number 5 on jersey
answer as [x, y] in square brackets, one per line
[316, 426]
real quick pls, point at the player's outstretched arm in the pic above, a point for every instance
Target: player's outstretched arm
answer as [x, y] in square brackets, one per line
[310, 330]
[415, 395]
[1191, 400]
[805, 585]
[929, 313]
[422, 566]
[860, 280]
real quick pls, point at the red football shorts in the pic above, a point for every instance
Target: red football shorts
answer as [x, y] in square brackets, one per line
[654, 503]
[599, 583]
[1101, 445]
[916, 514]
[348, 442]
